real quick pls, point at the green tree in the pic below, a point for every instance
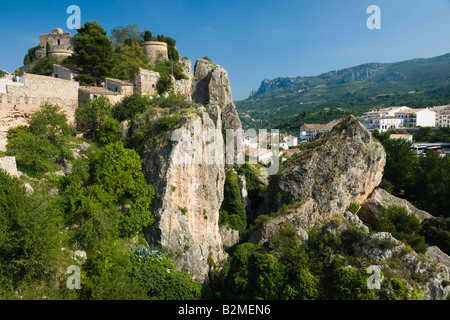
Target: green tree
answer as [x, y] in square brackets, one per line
[252, 275]
[30, 234]
[26, 60]
[109, 131]
[50, 123]
[351, 284]
[118, 172]
[305, 286]
[128, 61]
[432, 184]
[121, 33]
[233, 213]
[161, 280]
[164, 84]
[148, 36]
[131, 106]
[92, 114]
[34, 155]
[93, 51]
[400, 160]
[437, 232]
[402, 225]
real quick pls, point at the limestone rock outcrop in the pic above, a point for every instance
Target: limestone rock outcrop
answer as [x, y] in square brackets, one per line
[211, 85]
[380, 198]
[184, 86]
[188, 174]
[344, 167]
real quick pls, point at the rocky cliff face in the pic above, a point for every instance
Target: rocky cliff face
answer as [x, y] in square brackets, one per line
[184, 86]
[188, 174]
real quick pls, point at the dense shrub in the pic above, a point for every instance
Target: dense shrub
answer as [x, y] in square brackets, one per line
[437, 233]
[50, 123]
[109, 131]
[93, 113]
[402, 225]
[34, 155]
[232, 212]
[351, 284]
[30, 234]
[131, 106]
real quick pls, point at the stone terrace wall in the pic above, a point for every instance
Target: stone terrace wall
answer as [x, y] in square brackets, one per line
[9, 165]
[19, 102]
[40, 89]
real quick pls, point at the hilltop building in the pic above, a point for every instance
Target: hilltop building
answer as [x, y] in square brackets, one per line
[61, 44]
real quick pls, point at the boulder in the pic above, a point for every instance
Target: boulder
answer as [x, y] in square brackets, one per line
[343, 167]
[379, 199]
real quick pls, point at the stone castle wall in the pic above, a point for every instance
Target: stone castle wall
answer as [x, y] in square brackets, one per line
[145, 82]
[20, 101]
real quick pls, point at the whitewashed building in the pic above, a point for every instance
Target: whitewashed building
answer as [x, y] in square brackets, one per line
[442, 116]
[309, 132]
[382, 124]
[407, 137]
[417, 117]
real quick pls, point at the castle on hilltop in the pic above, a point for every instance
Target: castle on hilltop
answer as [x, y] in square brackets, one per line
[60, 43]
[23, 95]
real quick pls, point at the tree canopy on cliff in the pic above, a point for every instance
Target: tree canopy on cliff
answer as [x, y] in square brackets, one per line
[93, 51]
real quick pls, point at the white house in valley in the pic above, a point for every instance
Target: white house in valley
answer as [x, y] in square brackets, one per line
[417, 117]
[382, 123]
[407, 137]
[442, 116]
[309, 132]
[395, 117]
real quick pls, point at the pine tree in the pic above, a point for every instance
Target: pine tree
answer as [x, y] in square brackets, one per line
[94, 51]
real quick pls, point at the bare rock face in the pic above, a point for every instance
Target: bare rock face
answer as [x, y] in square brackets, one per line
[380, 198]
[188, 173]
[184, 86]
[345, 167]
[211, 85]
[303, 218]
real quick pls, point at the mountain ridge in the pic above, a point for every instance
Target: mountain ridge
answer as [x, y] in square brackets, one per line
[362, 72]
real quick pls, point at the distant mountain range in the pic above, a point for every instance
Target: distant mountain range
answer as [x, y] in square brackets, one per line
[350, 90]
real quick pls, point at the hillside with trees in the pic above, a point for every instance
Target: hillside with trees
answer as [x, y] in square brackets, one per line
[288, 103]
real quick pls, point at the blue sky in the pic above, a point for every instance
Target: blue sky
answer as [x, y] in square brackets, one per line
[252, 39]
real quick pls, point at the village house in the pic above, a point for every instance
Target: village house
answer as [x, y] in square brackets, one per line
[417, 117]
[381, 123]
[407, 137]
[309, 132]
[442, 116]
